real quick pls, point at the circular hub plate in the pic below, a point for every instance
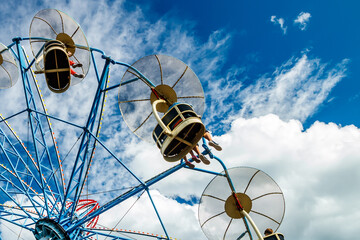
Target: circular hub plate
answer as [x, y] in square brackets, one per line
[231, 208]
[165, 92]
[67, 40]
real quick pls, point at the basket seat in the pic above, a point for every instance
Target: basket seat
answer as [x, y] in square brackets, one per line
[186, 130]
[56, 66]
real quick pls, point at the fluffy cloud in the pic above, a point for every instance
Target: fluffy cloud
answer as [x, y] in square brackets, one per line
[302, 20]
[279, 21]
[315, 168]
[179, 219]
[11, 232]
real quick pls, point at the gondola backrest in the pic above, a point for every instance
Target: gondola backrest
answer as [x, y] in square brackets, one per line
[56, 66]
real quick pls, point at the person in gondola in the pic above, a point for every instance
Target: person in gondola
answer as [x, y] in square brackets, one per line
[268, 231]
[74, 65]
[189, 164]
[195, 158]
[212, 143]
[201, 156]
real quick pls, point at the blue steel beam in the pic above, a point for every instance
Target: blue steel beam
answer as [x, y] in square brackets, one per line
[57, 119]
[97, 134]
[157, 213]
[29, 99]
[62, 183]
[82, 161]
[36, 113]
[9, 162]
[12, 189]
[123, 197]
[17, 224]
[17, 204]
[142, 77]
[42, 154]
[14, 115]
[121, 84]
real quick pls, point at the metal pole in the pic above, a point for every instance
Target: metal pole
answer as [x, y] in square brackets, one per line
[252, 224]
[157, 213]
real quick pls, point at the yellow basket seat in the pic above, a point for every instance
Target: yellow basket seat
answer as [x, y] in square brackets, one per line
[186, 131]
[56, 66]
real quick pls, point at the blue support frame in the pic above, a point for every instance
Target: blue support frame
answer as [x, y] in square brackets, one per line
[22, 177]
[82, 160]
[41, 149]
[46, 162]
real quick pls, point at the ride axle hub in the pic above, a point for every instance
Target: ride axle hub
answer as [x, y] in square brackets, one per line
[48, 229]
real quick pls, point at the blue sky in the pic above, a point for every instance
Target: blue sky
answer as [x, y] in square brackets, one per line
[282, 94]
[260, 46]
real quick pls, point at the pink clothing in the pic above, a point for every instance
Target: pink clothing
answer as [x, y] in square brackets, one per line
[72, 71]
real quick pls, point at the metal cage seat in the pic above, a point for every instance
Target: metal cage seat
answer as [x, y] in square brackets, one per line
[178, 131]
[56, 66]
[274, 236]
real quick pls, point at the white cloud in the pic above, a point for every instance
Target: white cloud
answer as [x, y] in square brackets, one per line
[141, 217]
[279, 21]
[312, 167]
[302, 20]
[11, 232]
[315, 169]
[294, 91]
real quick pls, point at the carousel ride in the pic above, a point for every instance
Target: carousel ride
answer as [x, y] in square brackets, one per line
[161, 100]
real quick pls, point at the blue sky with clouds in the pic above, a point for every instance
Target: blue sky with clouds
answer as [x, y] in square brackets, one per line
[259, 43]
[264, 35]
[282, 94]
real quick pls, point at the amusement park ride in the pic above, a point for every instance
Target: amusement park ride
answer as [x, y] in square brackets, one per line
[161, 100]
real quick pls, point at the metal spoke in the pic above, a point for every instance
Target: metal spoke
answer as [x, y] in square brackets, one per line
[265, 216]
[251, 180]
[205, 195]
[212, 218]
[47, 24]
[180, 77]
[227, 228]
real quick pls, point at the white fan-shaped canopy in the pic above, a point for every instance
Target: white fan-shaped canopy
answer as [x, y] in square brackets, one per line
[9, 72]
[260, 196]
[171, 77]
[52, 24]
